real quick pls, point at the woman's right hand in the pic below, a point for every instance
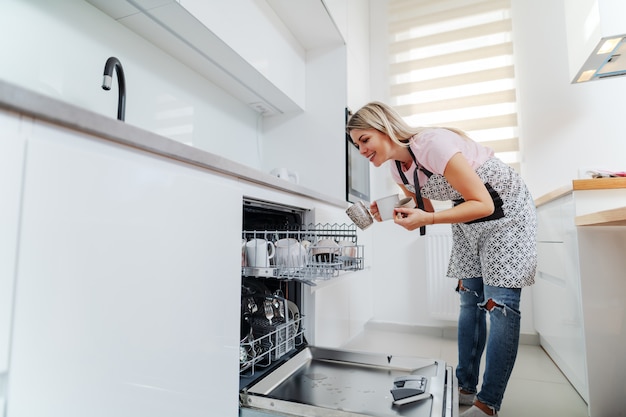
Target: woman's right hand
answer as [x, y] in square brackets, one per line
[412, 219]
[374, 212]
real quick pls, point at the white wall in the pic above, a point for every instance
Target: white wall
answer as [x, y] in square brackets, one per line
[64, 58]
[564, 127]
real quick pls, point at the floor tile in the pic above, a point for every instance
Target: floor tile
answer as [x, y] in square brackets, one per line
[405, 344]
[536, 387]
[534, 364]
[525, 398]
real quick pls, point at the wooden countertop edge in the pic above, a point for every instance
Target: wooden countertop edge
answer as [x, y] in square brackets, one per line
[613, 217]
[582, 185]
[599, 184]
[553, 195]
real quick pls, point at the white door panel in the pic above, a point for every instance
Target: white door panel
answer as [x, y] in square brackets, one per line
[127, 299]
[12, 144]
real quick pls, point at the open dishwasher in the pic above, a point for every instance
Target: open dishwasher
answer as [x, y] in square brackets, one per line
[280, 373]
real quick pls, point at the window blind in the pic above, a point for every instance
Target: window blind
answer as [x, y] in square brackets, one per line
[451, 64]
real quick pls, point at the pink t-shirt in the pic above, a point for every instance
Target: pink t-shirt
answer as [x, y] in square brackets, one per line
[433, 148]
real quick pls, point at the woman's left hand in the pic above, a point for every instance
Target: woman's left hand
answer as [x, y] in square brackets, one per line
[412, 219]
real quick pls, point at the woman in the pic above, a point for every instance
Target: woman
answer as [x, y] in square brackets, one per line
[493, 230]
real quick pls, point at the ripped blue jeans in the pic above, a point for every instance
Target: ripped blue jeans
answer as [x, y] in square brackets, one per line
[501, 340]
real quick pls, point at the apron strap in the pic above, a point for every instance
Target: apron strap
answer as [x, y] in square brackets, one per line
[416, 184]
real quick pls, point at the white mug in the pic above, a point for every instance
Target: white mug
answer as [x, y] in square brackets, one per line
[325, 250]
[285, 174]
[386, 206]
[290, 253]
[259, 252]
[348, 248]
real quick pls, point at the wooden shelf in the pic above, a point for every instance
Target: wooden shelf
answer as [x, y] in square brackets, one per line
[614, 217]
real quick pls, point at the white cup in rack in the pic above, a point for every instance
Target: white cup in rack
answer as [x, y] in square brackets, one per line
[259, 252]
[348, 248]
[290, 253]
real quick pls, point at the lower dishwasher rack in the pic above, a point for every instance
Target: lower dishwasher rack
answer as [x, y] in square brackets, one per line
[262, 352]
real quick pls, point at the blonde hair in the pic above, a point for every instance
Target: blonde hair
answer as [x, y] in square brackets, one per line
[379, 116]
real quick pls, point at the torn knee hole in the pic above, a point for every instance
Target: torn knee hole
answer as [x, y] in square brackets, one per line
[490, 304]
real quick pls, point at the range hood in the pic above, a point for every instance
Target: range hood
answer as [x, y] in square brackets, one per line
[596, 39]
[607, 60]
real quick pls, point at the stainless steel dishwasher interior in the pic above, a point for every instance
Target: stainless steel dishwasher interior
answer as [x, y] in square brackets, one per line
[327, 382]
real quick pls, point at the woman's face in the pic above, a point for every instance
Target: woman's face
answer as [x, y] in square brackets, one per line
[372, 144]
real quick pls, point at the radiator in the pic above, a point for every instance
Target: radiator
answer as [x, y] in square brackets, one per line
[443, 301]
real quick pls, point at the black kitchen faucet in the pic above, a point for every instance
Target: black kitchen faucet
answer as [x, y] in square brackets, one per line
[121, 82]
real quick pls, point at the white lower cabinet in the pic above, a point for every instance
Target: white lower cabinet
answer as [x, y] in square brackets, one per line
[127, 267]
[557, 304]
[12, 145]
[602, 267]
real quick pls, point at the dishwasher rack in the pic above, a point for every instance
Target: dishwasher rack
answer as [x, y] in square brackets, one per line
[261, 352]
[313, 252]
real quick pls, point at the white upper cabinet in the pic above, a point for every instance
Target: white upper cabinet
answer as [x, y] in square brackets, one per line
[255, 50]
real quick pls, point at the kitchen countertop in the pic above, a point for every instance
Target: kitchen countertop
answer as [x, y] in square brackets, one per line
[553, 195]
[38, 106]
[612, 217]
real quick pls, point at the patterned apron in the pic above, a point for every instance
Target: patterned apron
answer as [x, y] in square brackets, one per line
[500, 248]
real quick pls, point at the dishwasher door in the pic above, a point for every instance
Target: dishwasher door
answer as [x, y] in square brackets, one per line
[320, 382]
